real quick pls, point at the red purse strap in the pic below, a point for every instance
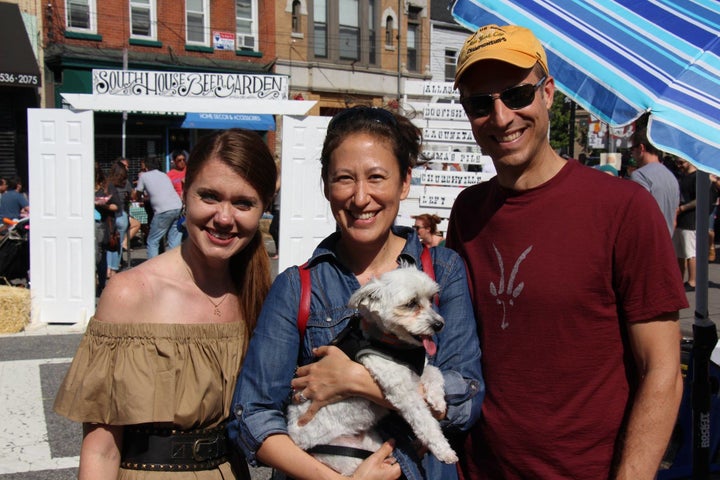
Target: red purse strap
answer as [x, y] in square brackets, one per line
[427, 265]
[304, 307]
[426, 261]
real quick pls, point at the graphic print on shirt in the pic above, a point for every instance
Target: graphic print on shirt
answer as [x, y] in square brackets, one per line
[505, 296]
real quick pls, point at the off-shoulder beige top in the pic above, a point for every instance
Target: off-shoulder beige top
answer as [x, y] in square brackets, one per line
[127, 374]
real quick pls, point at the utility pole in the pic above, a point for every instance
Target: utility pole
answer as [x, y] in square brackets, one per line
[124, 114]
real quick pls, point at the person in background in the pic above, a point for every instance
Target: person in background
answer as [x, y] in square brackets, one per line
[671, 163]
[608, 169]
[14, 204]
[655, 177]
[134, 223]
[156, 369]
[274, 229]
[3, 187]
[118, 177]
[714, 193]
[177, 171]
[685, 234]
[574, 285]
[627, 164]
[107, 205]
[166, 206]
[426, 226]
[366, 163]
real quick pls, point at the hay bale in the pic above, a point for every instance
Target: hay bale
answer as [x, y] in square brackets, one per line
[14, 309]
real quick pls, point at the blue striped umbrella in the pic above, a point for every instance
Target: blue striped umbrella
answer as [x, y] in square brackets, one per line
[622, 58]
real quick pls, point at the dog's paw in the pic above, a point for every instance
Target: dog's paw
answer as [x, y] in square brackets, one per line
[434, 386]
[445, 454]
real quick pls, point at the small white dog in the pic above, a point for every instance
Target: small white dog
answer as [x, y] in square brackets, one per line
[395, 316]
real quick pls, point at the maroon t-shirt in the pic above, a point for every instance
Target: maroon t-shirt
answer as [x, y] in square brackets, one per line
[555, 273]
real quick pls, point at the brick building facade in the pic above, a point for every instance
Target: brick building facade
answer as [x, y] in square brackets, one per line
[218, 36]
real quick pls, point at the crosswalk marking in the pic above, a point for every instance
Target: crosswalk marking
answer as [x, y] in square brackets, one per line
[24, 445]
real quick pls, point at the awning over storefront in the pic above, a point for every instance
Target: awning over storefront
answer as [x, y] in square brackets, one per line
[18, 66]
[150, 104]
[217, 121]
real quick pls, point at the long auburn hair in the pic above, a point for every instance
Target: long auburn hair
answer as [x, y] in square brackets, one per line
[246, 153]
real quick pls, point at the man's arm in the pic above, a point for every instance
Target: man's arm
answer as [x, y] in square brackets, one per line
[656, 348]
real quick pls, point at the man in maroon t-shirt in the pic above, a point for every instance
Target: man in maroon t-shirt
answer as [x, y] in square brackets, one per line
[575, 288]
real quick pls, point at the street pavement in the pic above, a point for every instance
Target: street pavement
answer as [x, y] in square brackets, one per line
[37, 444]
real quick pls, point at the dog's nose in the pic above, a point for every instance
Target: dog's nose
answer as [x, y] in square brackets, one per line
[437, 325]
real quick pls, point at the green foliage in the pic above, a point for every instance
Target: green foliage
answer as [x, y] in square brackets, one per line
[560, 122]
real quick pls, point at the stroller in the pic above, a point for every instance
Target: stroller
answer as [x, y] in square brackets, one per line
[15, 252]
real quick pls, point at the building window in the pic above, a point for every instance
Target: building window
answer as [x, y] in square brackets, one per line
[353, 26]
[372, 28]
[413, 39]
[296, 17]
[450, 64]
[349, 30]
[320, 29]
[389, 31]
[143, 19]
[197, 16]
[81, 15]
[246, 24]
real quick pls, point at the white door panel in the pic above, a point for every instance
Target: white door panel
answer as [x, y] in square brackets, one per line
[62, 237]
[305, 217]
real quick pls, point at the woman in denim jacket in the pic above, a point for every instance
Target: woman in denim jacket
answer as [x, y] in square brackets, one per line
[366, 162]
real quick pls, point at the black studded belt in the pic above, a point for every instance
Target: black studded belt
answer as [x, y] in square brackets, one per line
[149, 448]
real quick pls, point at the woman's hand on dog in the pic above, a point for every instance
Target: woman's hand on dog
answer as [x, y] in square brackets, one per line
[380, 465]
[332, 378]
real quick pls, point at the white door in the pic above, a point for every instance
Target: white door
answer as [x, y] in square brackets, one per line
[305, 217]
[62, 238]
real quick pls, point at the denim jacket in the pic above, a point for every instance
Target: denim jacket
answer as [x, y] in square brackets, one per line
[263, 388]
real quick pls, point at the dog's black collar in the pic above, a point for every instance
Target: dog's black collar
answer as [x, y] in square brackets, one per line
[355, 344]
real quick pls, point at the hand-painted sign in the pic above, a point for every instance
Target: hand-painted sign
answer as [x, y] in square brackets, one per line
[189, 84]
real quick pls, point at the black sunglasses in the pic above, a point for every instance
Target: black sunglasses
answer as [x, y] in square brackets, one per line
[515, 98]
[362, 113]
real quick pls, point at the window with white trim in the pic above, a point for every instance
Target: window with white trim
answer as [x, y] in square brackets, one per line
[197, 22]
[389, 38]
[246, 24]
[81, 16]
[143, 19]
[296, 7]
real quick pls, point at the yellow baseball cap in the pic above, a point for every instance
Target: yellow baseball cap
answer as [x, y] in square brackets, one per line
[510, 43]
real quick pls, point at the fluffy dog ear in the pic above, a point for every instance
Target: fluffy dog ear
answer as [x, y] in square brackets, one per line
[369, 292]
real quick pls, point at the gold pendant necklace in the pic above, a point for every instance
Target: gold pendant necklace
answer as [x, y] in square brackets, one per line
[216, 306]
